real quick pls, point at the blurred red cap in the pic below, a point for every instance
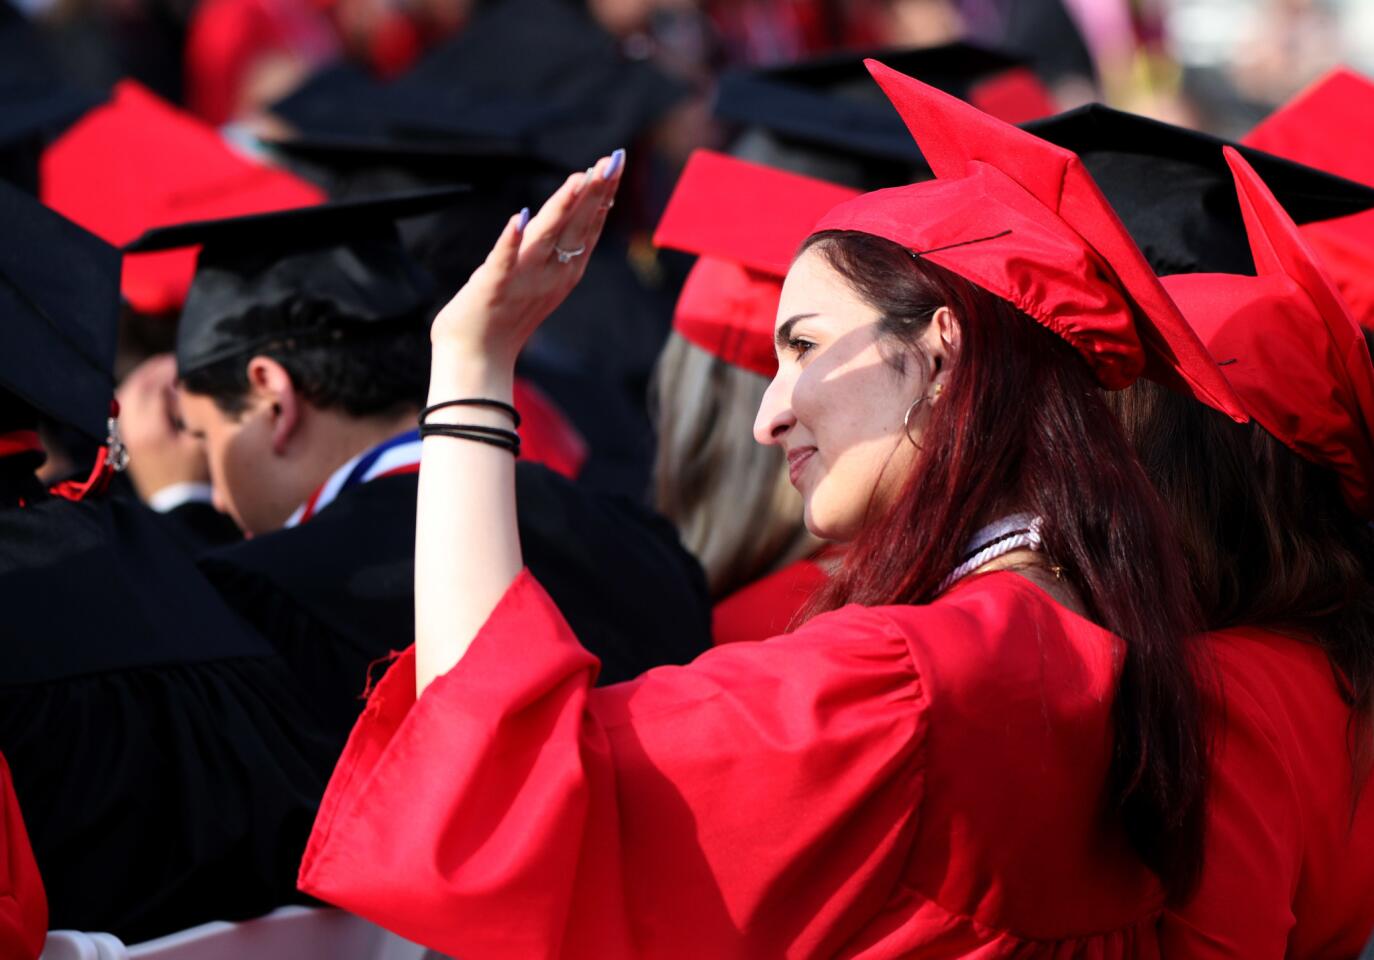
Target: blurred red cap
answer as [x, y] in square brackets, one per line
[745, 221]
[138, 163]
[1330, 125]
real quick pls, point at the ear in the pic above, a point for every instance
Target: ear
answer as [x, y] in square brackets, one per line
[270, 387]
[941, 344]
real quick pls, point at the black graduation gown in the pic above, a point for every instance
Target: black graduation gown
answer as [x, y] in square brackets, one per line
[168, 769]
[336, 594]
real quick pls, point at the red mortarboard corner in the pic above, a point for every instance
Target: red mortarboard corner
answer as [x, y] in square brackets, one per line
[1322, 127]
[1290, 347]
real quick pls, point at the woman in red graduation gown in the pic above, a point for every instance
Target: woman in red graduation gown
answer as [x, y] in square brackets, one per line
[989, 746]
[1275, 520]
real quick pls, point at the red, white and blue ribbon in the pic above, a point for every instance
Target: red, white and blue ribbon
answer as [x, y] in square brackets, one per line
[400, 454]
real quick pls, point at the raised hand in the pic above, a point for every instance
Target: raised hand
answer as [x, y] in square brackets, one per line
[531, 269]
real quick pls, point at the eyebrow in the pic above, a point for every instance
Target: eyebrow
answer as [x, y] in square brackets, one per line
[784, 334]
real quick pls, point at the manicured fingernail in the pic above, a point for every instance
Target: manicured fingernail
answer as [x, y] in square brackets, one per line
[612, 168]
[524, 219]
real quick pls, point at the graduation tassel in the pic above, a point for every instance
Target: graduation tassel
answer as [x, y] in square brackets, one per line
[110, 459]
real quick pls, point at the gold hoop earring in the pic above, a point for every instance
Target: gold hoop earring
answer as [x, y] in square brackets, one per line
[906, 420]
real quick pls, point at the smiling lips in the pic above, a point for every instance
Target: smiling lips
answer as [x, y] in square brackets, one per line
[796, 460]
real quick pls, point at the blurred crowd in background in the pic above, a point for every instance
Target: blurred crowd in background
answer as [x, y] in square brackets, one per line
[1219, 65]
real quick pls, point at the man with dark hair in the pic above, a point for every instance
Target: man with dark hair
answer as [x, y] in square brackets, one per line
[303, 357]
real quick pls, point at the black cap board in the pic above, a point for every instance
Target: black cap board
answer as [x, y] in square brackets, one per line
[826, 118]
[35, 104]
[338, 100]
[549, 71]
[59, 314]
[832, 102]
[539, 74]
[1050, 39]
[330, 270]
[479, 160]
[1173, 190]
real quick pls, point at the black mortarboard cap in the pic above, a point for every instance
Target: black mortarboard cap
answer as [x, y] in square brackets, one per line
[1175, 193]
[59, 314]
[542, 72]
[331, 270]
[1046, 33]
[479, 160]
[339, 100]
[35, 103]
[826, 117]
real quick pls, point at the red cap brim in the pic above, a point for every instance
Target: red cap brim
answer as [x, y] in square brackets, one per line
[745, 221]
[744, 212]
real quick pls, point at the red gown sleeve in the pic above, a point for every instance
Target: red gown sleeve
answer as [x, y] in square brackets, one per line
[1243, 909]
[23, 904]
[757, 802]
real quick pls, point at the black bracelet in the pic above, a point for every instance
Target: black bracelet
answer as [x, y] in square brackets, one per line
[505, 439]
[505, 408]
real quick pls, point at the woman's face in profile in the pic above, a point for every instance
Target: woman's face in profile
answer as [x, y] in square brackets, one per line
[837, 403]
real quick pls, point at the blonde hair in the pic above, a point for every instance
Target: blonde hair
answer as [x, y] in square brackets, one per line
[728, 496]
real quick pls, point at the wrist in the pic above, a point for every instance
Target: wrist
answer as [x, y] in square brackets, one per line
[457, 372]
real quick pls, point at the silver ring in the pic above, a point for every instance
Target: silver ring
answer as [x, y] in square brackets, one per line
[568, 256]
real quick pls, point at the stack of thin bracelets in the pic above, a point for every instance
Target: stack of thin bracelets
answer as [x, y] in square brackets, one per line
[507, 440]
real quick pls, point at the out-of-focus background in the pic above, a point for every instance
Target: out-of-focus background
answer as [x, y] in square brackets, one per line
[1216, 64]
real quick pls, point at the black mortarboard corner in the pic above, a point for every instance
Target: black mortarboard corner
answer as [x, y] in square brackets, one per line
[59, 306]
[1175, 193]
[35, 103]
[331, 271]
[826, 117]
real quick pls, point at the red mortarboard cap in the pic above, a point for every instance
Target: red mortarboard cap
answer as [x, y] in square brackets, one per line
[1022, 219]
[138, 163]
[1292, 350]
[1331, 125]
[1323, 125]
[745, 221]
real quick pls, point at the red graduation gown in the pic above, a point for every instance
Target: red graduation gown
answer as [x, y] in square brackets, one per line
[766, 607]
[1289, 868]
[880, 782]
[23, 904]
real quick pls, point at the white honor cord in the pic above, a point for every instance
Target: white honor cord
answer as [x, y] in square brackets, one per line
[1019, 531]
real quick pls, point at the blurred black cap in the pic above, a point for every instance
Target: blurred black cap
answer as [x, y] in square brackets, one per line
[35, 103]
[1175, 193]
[477, 160]
[311, 274]
[540, 70]
[811, 116]
[59, 314]
[540, 75]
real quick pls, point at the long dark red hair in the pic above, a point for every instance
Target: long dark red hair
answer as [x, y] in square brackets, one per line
[1022, 426]
[1268, 538]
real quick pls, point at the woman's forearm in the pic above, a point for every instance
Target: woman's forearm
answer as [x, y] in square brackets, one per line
[467, 547]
